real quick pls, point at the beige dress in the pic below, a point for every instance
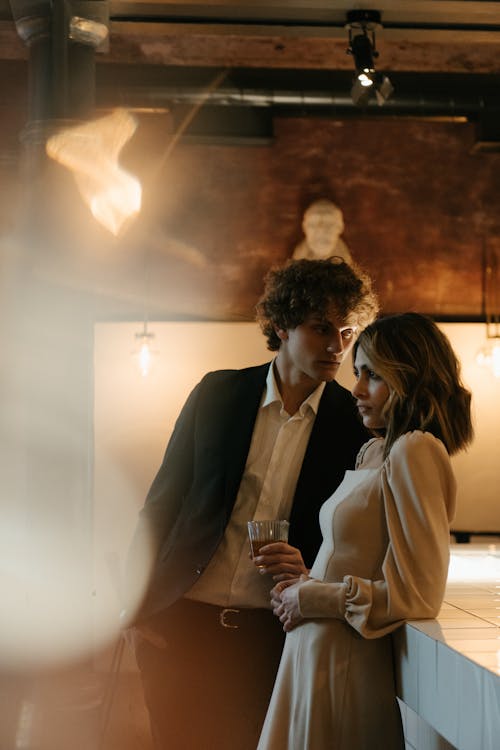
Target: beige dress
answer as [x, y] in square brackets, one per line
[383, 560]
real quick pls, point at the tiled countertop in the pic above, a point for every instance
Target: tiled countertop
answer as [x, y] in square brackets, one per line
[449, 668]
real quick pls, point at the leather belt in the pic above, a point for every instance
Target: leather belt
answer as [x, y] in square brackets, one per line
[229, 618]
[223, 614]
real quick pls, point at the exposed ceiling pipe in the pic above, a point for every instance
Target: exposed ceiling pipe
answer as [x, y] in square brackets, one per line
[308, 91]
[423, 103]
[61, 37]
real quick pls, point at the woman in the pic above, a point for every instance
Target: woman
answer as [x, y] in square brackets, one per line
[385, 551]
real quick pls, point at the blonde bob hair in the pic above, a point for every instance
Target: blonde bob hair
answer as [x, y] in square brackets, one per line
[418, 364]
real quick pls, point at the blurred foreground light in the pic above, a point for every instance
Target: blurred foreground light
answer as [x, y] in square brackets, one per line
[57, 603]
[91, 152]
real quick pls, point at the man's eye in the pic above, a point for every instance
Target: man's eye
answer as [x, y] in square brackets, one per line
[348, 333]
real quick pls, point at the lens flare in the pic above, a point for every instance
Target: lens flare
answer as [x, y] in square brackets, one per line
[91, 152]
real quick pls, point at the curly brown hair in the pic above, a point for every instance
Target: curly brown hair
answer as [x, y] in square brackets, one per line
[301, 288]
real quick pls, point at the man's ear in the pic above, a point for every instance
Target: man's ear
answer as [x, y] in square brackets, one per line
[281, 333]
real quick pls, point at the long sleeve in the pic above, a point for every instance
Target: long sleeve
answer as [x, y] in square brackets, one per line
[163, 503]
[418, 491]
[176, 471]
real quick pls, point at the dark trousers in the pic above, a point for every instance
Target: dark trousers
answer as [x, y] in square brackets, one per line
[209, 687]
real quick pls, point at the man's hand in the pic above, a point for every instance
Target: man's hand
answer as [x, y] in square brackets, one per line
[281, 560]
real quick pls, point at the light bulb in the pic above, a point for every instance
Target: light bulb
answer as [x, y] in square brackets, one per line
[145, 355]
[364, 78]
[145, 358]
[489, 356]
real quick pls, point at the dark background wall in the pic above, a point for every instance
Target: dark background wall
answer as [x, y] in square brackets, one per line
[419, 209]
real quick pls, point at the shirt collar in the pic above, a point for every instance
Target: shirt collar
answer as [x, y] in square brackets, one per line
[272, 394]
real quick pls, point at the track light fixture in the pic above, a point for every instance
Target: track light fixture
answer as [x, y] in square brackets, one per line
[362, 25]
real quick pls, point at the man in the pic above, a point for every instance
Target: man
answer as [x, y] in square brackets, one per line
[271, 441]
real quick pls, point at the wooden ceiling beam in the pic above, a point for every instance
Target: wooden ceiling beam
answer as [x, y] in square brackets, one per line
[185, 44]
[280, 47]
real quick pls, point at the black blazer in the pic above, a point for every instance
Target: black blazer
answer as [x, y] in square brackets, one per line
[192, 496]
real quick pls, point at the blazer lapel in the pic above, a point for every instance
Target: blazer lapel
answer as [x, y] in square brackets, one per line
[244, 399]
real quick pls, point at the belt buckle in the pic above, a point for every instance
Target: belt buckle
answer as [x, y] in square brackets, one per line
[222, 617]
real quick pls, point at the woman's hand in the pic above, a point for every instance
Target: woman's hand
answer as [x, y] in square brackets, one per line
[285, 602]
[281, 560]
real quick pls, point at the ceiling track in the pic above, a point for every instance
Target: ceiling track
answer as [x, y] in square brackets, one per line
[298, 23]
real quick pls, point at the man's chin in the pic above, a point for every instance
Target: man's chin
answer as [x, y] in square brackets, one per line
[327, 374]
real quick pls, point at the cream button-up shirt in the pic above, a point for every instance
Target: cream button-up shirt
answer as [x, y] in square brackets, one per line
[267, 488]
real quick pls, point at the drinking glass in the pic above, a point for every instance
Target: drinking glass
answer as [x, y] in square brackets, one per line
[261, 533]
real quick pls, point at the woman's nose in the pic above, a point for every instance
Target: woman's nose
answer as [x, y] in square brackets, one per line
[357, 389]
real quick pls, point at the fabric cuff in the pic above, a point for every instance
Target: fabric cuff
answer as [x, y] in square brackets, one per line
[318, 599]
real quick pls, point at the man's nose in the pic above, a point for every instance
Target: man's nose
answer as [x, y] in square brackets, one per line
[335, 343]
